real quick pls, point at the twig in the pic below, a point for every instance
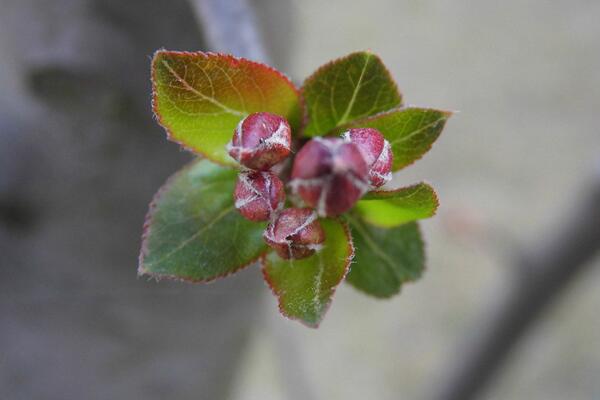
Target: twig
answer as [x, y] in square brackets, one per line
[542, 275]
[230, 27]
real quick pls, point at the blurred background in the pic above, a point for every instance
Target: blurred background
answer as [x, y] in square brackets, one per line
[81, 156]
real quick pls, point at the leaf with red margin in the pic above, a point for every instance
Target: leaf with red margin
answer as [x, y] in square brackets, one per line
[305, 287]
[352, 87]
[390, 208]
[199, 98]
[193, 231]
[411, 131]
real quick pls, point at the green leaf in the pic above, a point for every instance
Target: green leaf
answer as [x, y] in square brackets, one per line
[411, 131]
[389, 208]
[385, 258]
[352, 87]
[305, 287]
[199, 98]
[193, 231]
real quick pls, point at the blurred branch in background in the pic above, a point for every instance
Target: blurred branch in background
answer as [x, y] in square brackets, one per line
[230, 26]
[75, 183]
[540, 276]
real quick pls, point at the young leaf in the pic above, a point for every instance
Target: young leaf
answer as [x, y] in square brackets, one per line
[389, 208]
[411, 131]
[193, 231]
[385, 258]
[352, 87]
[199, 98]
[305, 287]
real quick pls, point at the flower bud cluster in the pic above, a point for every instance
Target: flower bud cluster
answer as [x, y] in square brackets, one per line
[260, 141]
[329, 174]
[332, 174]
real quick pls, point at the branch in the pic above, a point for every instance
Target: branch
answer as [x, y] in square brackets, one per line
[542, 275]
[230, 27]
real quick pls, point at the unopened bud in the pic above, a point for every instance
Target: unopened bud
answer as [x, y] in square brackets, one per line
[295, 234]
[260, 141]
[258, 195]
[330, 174]
[376, 151]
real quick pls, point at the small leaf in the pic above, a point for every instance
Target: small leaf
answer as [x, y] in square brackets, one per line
[411, 131]
[193, 231]
[305, 287]
[199, 98]
[352, 87]
[385, 258]
[389, 208]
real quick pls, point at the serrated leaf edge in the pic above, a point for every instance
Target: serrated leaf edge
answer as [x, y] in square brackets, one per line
[322, 67]
[230, 58]
[349, 259]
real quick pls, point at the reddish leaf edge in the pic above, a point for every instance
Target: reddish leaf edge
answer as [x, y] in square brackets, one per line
[386, 194]
[313, 76]
[146, 229]
[447, 114]
[234, 61]
[349, 259]
[401, 283]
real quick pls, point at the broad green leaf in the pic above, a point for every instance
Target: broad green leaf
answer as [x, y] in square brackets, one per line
[385, 258]
[352, 87]
[305, 287]
[193, 231]
[389, 208]
[199, 98]
[411, 131]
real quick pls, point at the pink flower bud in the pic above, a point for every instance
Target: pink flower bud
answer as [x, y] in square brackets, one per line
[260, 141]
[258, 195]
[330, 174]
[376, 151]
[296, 233]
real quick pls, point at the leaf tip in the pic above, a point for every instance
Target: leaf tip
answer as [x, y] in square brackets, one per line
[311, 320]
[449, 113]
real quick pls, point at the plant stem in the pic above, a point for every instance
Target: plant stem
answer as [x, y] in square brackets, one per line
[230, 27]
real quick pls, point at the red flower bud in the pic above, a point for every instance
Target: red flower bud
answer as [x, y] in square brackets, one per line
[258, 195]
[330, 174]
[296, 233]
[260, 141]
[376, 151]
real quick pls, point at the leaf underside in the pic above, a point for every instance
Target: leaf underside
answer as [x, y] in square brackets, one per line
[193, 231]
[346, 89]
[305, 287]
[199, 98]
[385, 258]
[390, 208]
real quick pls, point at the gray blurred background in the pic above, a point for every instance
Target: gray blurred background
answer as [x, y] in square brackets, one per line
[80, 157]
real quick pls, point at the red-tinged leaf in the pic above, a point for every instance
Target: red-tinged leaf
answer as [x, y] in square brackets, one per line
[349, 88]
[305, 287]
[199, 98]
